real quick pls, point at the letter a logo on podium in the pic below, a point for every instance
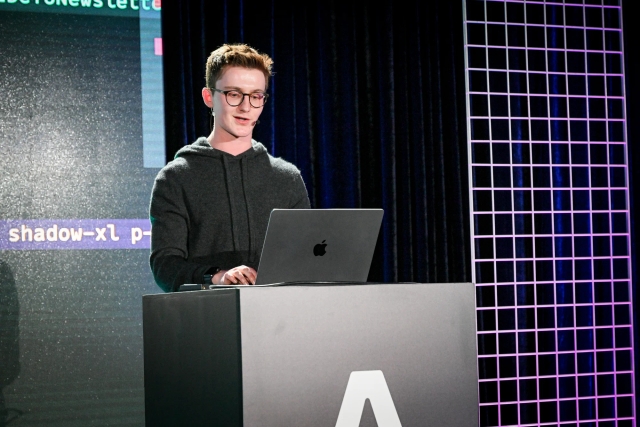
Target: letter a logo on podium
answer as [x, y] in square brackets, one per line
[365, 385]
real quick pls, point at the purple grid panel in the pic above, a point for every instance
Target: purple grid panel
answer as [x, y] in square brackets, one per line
[550, 218]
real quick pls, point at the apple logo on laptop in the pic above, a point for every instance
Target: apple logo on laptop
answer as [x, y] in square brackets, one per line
[320, 249]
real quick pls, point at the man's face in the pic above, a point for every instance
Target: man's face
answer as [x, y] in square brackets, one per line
[238, 121]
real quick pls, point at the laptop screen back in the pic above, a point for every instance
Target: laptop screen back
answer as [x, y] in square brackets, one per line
[319, 245]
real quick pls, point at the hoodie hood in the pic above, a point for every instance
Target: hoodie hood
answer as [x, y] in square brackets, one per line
[201, 147]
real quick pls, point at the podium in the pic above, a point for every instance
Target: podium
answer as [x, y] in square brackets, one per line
[348, 355]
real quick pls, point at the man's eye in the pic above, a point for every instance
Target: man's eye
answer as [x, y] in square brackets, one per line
[234, 95]
[257, 96]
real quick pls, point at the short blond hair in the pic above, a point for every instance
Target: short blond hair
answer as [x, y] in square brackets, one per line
[236, 55]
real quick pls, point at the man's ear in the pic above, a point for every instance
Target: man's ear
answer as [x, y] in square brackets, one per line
[207, 97]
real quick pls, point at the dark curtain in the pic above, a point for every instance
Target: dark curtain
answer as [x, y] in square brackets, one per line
[368, 101]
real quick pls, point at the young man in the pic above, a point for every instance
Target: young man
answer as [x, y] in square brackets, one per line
[210, 206]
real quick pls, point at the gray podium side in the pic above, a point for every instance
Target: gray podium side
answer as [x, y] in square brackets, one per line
[283, 355]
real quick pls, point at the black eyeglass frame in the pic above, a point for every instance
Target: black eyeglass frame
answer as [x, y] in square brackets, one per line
[225, 92]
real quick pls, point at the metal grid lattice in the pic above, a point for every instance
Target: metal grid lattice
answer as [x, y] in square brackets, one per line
[550, 216]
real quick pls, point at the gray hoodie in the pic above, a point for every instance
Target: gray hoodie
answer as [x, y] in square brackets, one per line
[210, 209]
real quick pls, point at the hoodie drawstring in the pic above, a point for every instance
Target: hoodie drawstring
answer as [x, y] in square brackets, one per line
[245, 178]
[232, 215]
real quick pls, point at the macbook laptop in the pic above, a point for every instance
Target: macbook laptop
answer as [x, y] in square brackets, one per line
[319, 245]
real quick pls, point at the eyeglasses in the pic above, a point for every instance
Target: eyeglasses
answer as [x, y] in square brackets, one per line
[235, 98]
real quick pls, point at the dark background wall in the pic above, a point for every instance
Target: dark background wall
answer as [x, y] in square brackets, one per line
[368, 101]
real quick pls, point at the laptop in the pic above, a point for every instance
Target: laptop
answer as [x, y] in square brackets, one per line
[319, 245]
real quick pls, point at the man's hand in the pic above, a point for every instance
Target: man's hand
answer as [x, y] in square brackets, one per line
[241, 275]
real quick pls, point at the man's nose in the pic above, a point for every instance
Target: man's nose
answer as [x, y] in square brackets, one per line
[245, 105]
